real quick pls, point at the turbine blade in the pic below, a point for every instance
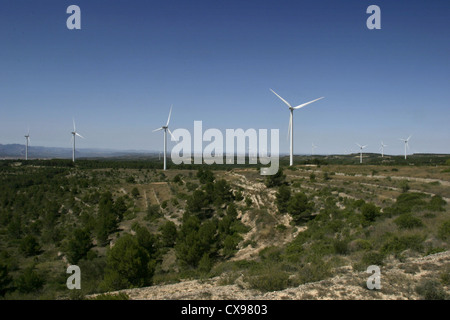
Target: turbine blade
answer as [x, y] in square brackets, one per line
[79, 135]
[287, 103]
[168, 119]
[409, 138]
[358, 144]
[173, 138]
[159, 129]
[305, 104]
[73, 120]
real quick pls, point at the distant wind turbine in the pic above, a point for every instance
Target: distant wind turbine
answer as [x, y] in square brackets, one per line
[312, 148]
[74, 134]
[166, 128]
[27, 137]
[406, 143]
[382, 148]
[291, 123]
[360, 151]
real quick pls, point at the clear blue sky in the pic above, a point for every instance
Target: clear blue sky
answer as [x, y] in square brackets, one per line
[216, 60]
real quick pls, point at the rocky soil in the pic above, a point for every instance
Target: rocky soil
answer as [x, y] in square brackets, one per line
[398, 281]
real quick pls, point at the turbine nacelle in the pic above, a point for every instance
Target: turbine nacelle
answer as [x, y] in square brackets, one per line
[291, 124]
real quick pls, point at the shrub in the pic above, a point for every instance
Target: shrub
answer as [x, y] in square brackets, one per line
[362, 244]
[299, 207]
[315, 270]
[340, 246]
[445, 277]
[396, 245]
[168, 234]
[128, 265]
[153, 212]
[404, 185]
[408, 221]
[276, 179]
[437, 203]
[29, 246]
[5, 278]
[282, 198]
[444, 230]
[135, 192]
[370, 212]
[205, 263]
[267, 278]
[29, 281]
[431, 290]
[372, 258]
[78, 245]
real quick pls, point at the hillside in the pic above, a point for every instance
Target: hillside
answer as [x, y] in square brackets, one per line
[309, 232]
[398, 282]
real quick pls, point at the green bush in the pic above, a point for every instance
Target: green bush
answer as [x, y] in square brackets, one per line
[276, 179]
[282, 198]
[168, 234]
[267, 278]
[313, 271]
[29, 281]
[362, 244]
[5, 279]
[370, 212]
[29, 246]
[128, 265]
[153, 212]
[78, 246]
[437, 203]
[444, 230]
[397, 244]
[340, 246]
[408, 221]
[299, 207]
[431, 290]
[372, 258]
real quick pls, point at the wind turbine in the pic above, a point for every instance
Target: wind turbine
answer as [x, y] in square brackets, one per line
[291, 123]
[406, 143]
[382, 148]
[360, 152]
[74, 134]
[312, 148]
[166, 128]
[27, 137]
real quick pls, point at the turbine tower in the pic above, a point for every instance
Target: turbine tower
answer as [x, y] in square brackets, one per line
[406, 143]
[312, 148]
[166, 128]
[382, 148]
[291, 123]
[74, 134]
[27, 137]
[360, 151]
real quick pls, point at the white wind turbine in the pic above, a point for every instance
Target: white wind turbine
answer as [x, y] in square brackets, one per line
[291, 123]
[74, 134]
[360, 151]
[406, 143]
[382, 148]
[166, 128]
[312, 148]
[27, 137]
